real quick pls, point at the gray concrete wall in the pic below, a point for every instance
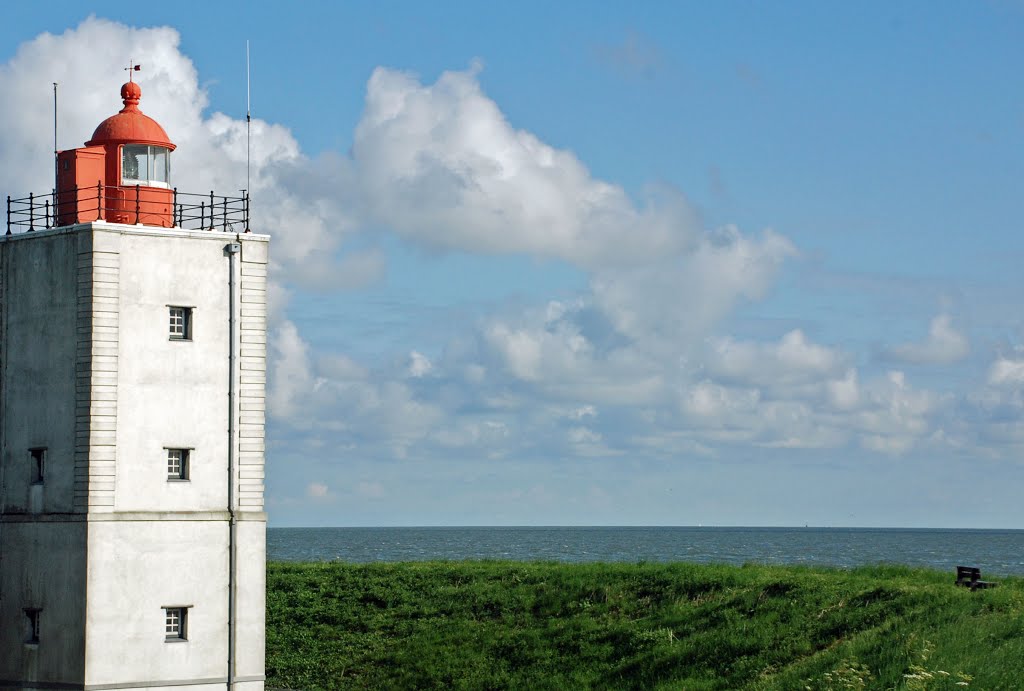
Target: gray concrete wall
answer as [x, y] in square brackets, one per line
[43, 567]
[42, 542]
[40, 276]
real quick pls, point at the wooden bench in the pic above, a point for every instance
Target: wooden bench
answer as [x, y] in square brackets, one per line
[970, 577]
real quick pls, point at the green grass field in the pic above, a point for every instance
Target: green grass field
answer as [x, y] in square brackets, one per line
[525, 625]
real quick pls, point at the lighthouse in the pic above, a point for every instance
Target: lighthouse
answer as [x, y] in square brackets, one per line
[132, 399]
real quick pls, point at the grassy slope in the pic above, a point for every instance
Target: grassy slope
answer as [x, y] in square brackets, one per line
[479, 625]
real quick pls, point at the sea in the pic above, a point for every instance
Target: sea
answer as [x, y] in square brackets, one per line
[995, 552]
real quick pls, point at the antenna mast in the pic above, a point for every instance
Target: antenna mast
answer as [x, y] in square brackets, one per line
[248, 121]
[56, 169]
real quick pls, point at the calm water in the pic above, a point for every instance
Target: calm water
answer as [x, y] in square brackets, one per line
[994, 551]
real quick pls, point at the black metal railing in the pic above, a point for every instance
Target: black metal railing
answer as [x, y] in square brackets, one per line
[132, 204]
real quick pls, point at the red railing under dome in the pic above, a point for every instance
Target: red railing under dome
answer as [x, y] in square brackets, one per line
[130, 205]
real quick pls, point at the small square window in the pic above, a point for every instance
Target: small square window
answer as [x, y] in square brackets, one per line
[32, 616]
[180, 323]
[38, 457]
[177, 464]
[176, 623]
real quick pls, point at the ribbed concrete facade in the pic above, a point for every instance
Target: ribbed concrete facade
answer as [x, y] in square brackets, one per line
[102, 547]
[252, 384]
[96, 337]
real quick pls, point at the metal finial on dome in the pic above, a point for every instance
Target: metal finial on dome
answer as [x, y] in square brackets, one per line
[130, 91]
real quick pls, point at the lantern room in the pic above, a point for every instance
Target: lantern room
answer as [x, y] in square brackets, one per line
[122, 175]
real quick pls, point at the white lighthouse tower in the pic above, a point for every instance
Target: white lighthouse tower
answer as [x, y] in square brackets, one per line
[132, 377]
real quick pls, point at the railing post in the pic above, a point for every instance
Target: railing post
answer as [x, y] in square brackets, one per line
[31, 212]
[47, 213]
[8, 214]
[211, 210]
[100, 211]
[137, 188]
[174, 209]
[74, 191]
[224, 214]
[202, 215]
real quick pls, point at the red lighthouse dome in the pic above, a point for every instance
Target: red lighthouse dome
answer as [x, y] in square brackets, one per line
[130, 125]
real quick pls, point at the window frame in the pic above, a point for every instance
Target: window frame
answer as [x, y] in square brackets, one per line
[152, 153]
[37, 458]
[185, 331]
[34, 615]
[177, 631]
[184, 463]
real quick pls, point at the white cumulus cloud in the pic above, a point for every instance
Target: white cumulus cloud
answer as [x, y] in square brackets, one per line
[793, 360]
[440, 164]
[1006, 372]
[943, 346]
[316, 490]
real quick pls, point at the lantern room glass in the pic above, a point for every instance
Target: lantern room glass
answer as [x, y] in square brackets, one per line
[145, 165]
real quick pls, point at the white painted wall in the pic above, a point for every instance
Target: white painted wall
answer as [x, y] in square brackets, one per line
[251, 600]
[138, 567]
[172, 393]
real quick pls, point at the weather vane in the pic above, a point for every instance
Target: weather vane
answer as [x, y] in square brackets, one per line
[132, 67]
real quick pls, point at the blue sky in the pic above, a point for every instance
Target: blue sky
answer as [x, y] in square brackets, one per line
[723, 263]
